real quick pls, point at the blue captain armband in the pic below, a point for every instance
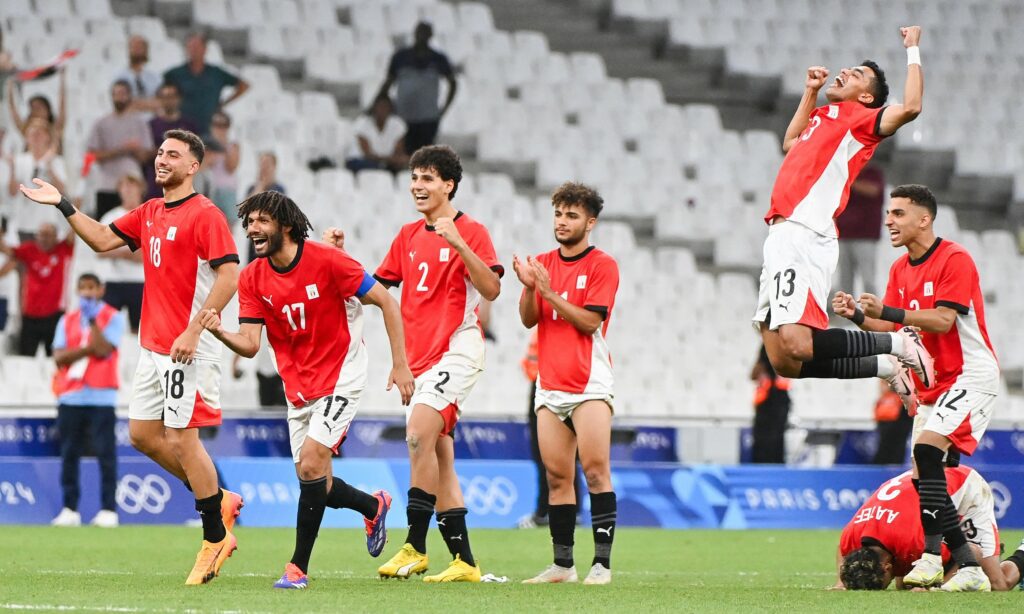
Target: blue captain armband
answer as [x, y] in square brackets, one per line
[366, 286]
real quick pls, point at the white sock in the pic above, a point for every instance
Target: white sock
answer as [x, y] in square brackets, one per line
[886, 367]
[897, 344]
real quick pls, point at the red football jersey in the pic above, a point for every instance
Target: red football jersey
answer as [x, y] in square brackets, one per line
[813, 184]
[438, 299]
[892, 516]
[304, 310]
[570, 361]
[183, 242]
[42, 294]
[946, 277]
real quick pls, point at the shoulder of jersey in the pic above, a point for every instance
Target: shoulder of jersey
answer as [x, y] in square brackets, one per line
[604, 256]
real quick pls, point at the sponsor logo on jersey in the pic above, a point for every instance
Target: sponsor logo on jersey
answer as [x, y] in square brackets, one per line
[833, 111]
[312, 292]
[412, 255]
[445, 254]
[581, 282]
[173, 230]
[268, 299]
[929, 288]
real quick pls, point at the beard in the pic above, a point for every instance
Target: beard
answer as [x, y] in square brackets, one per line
[274, 243]
[171, 181]
[570, 240]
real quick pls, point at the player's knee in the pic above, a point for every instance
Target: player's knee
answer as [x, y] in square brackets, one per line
[414, 442]
[597, 477]
[309, 470]
[558, 482]
[141, 442]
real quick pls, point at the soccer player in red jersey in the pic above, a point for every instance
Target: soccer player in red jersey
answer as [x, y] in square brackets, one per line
[298, 289]
[190, 264]
[445, 264]
[569, 294]
[883, 539]
[826, 149]
[935, 287]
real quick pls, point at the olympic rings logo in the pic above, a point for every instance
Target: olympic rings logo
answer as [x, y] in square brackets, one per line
[489, 495]
[149, 494]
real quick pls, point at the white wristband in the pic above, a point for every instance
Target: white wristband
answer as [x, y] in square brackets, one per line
[913, 55]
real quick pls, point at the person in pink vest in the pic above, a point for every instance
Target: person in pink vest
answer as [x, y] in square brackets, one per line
[85, 349]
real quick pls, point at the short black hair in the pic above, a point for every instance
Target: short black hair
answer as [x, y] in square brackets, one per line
[195, 144]
[862, 570]
[170, 84]
[280, 208]
[442, 159]
[121, 83]
[918, 194]
[572, 193]
[93, 277]
[879, 86]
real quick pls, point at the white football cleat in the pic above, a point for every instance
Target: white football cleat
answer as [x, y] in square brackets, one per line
[554, 575]
[105, 518]
[902, 383]
[599, 574]
[968, 580]
[927, 572]
[67, 518]
[915, 356]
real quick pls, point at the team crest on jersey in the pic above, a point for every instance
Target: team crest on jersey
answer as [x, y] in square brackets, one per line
[445, 254]
[173, 230]
[581, 282]
[833, 111]
[312, 292]
[929, 288]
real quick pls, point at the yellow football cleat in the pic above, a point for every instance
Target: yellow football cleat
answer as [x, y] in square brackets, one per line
[231, 504]
[210, 559]
[458, 571]
[405, 562]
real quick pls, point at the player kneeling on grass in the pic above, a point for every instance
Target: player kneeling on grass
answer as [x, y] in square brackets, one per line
[569, 294]
[884, 538]
[299, 290]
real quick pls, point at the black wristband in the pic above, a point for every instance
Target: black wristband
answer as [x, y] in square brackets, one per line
[893, 314]
[857, 317]
[66, 208]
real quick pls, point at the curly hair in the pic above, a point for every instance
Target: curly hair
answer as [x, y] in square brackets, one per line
[572, 193]
[862, 571]
[281, 209]
[879, 86]
[442, 159]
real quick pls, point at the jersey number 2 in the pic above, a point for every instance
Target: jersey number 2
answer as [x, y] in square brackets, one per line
[422, 286]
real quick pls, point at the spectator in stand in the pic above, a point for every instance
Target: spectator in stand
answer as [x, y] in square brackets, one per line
[771, 412]
[39, 160]
[46, 262]
[167, 117]
[121, 142]
[143, 82]
[7, 70]
[123, 267]
[222, 155]
[85, 350]
[378, 139]
[266, 178]
[417, 71]
[201, 84]
[894, 426]
[860, 227]
[39, 106]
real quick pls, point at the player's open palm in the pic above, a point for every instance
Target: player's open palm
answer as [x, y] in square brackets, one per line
[540, 274]
[44, 193]
[402, 377]
[524, 272]
[816, 76]
[334, 236]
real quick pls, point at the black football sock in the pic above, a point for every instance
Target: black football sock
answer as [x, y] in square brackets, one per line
[312, 502]
[841, 343]
[419, 510]
[954, 536]
[563, 529]
[602, 520]
[1017, 558]
[188, 486]
[840, 368]
[213, 523]
[344, 496]
[933, 495]
[452, 524]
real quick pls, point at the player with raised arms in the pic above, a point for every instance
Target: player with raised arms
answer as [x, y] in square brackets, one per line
[190, 264]
[826, 149]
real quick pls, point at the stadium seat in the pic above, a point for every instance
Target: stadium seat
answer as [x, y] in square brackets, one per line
[92, 9]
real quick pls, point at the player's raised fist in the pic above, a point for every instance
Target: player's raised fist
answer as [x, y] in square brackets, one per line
[871, 305]
[446, 229]
[816, 76]
[334, 236]
[911, 35]
[843, 305]
[45, 193]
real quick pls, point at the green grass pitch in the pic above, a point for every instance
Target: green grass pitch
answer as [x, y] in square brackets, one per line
[142, 569]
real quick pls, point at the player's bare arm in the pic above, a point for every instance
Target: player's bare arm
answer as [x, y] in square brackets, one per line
[246, 342]
[529, 312]
[97, 236]
[224, 286]
[845, 306]
[484, 279]
[400, 374]
[583, 320]
[838, 586]
[816, 78]
[896, 115]
[938, 320]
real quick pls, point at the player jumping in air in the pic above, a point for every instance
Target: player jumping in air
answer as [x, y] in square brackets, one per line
[935, 287]
[190, 264]
[298, 289]
[445, 263]
[826, 149]
[569, 294]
